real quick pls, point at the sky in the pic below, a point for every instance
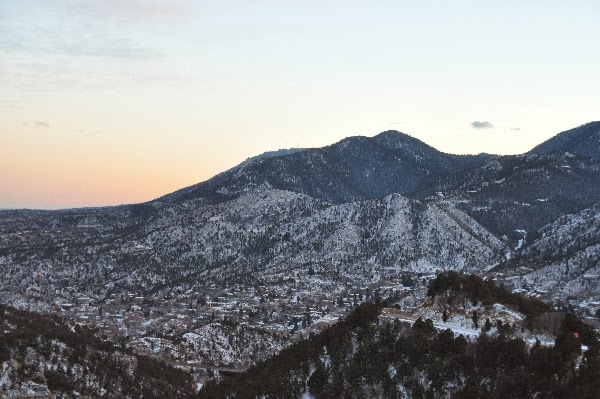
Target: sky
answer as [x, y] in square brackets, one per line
[106, 102]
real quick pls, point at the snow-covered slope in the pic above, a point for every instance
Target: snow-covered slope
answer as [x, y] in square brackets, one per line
[562, 257]
[522, 192]
[256, 236]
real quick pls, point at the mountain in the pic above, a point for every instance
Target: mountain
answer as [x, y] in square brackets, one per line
[337, 209]
[480, 342]
[269, 154]
[245, 240]
[583, 140]
[562, 257]
[353, 169]
[521, 192]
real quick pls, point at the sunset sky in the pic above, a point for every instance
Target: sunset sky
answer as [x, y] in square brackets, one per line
[120, 101]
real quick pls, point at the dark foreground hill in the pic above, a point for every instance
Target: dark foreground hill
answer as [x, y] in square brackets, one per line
[45, 356]
[367, 356]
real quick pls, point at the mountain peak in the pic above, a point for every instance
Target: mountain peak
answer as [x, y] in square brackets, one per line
[582, 140]
[396, 139]
[391, 139]
[392, 133]
[352, 169]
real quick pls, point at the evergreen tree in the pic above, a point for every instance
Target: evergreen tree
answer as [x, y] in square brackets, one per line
[475, 319]
[488, 325]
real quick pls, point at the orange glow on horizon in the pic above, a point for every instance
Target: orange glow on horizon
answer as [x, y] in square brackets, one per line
[55, 173]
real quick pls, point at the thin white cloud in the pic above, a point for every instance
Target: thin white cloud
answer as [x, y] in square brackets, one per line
[85, 131]
[135, 9]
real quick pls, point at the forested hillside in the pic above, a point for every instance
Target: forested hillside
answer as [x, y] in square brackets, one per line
[42, 356]
[366, 356]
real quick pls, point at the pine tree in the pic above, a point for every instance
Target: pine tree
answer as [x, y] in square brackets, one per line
[488, 325]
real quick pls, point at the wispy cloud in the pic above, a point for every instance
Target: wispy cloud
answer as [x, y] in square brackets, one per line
[136, 9]
[81, 45]
[6, 104]
[107, 47]
[86, 131]
[91, 28]
[42, 124]
[85, 43]
[482, 125]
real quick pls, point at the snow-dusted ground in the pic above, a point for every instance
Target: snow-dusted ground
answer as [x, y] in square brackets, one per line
[215, 344]
[460, 319]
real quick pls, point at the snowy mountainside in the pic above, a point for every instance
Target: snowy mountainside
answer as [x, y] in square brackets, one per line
[237, 168]
[522, 192]
[213, 344]
[253, 237]
[562, 257]
[338, 211]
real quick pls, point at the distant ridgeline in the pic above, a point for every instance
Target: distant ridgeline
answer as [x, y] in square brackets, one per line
[364, 356]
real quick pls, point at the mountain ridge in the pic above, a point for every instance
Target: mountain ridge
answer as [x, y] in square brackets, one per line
[355, 168]
[582, 140]
[521, 191]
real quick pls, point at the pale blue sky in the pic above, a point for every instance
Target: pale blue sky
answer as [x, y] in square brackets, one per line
[115, 101]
